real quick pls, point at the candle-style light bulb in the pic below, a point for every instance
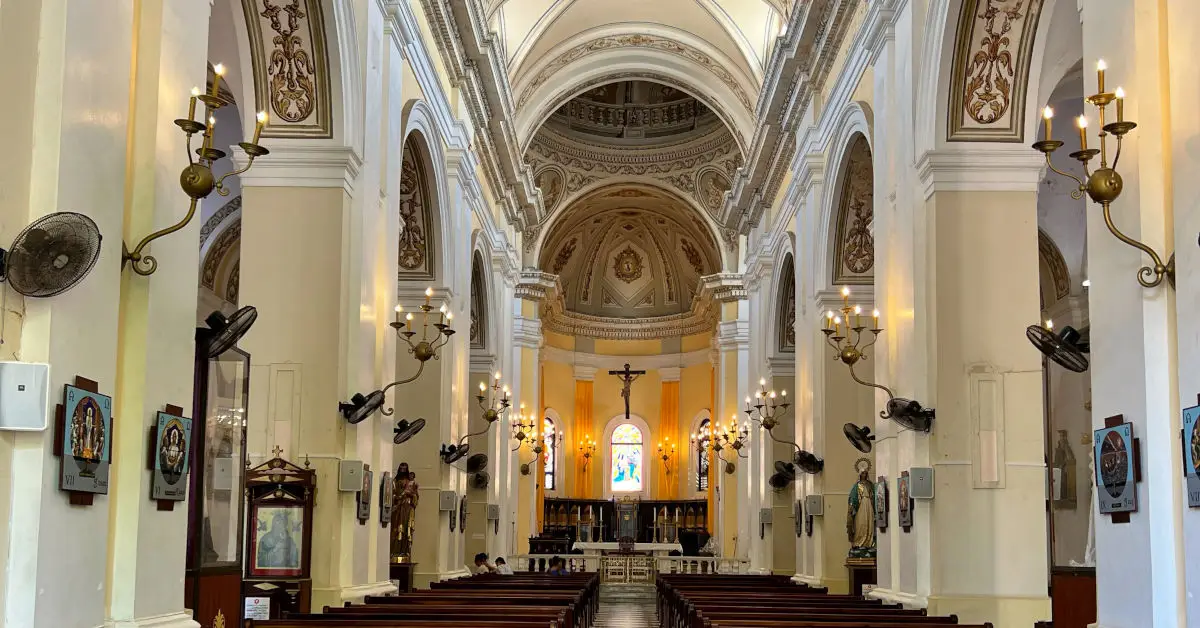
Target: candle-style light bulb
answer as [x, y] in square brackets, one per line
[1047, 117]
[1120, 93]
[828, 319]
[1049, 323]
[399, 309]
[762, 381]
[783, 393]
[428, 295]
[408, 321]
[449, 317]
[1082, 123]
[218, 72]
[260, 122]
[1101, 66]
[482, 386]
[875, 314]
[192, 103]
[497, 375]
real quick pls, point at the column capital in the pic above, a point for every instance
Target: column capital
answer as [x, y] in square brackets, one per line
[733, 335]
[669, 373]
[723, 287]
[585, 372]
[302, 164]
[527, 333]
[536, 285]
[981, 167]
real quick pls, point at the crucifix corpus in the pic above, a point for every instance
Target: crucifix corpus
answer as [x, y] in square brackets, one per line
[626, 376]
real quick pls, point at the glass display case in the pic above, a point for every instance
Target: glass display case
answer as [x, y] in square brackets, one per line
[216, 510]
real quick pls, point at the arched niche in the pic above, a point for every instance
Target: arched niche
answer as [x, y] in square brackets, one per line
[785, 306]
[853, 243]
[480, 315]
[419, 243]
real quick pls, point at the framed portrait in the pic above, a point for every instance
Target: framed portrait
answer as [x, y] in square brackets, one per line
[904, 503]
[364, 495]
[172, 442]
[881, 503]
[86, 441]
[385, 499]
[1115, 473]
[1191, 454]
[277, 541]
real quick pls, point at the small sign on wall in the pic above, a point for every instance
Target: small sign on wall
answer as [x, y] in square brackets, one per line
[257, 608]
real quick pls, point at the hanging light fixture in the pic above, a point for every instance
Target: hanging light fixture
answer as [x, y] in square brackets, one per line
[767, 410]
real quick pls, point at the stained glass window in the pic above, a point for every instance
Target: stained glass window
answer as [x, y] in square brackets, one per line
[626, 459]
[549, 452]
[702, 455]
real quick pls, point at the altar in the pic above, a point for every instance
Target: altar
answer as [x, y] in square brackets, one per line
[655, 549]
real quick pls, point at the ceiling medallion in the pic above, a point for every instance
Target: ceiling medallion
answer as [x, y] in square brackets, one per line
[627, 266]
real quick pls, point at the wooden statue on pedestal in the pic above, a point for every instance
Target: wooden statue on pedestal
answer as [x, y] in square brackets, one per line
[860, 529]
[406, 495]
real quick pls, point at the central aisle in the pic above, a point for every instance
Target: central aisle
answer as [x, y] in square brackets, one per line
[627, 606]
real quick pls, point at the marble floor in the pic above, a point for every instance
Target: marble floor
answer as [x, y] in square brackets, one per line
[627, 606]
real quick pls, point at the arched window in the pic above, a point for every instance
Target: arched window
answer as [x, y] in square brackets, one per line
[626, 447]
[549, 453]
[704, 436]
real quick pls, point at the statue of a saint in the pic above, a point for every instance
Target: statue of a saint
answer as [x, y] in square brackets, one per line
[860, 513]
[406, 494]
[1064, 463]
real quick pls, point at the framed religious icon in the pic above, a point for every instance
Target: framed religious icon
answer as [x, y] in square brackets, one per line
[364, 495]
[86, 441]
[1191, 454]
[1115, 468]
[279, 530]
[385, 499]
[172, 444]
[904, 503]
[881, 503]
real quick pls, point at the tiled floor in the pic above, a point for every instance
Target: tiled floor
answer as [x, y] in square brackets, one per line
[627, 606]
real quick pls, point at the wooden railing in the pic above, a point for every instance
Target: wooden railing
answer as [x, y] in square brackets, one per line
[661, 564]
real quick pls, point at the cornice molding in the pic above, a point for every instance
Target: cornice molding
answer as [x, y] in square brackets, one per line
[860, 294]
[723, 288]
[482, 362]
[782, 365]
[733, 335]
[302, 164]
[586, 363]
[980, 168]
[527, 333]
[668, 373]
[536, 285]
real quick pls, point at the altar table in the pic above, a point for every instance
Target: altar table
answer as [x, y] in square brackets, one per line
[657, 549]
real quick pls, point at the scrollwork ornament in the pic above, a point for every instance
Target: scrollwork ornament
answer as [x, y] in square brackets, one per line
[291, 67]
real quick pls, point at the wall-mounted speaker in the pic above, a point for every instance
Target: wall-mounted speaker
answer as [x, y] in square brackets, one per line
[815, 504]
[350, 473]
[447, 501]
[24, 396]
[920, 482]
[493, 512]
[765, 515]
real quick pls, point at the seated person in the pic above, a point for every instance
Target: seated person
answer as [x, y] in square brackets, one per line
[482, 565]
[502, 567]
[558, 567]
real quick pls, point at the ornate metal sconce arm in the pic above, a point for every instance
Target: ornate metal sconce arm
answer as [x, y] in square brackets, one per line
[391, 410]
[143, 264]
[885, 389]
[1148, 276]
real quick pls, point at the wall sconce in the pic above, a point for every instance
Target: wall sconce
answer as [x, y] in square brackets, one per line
[494, 405]
[197, 180]
[721, 438]
[847, 345]
[1105, 184]
[362, 406]
[538, 447]
[768, 408]
[666, 453]
[587, 448]
[524, 427]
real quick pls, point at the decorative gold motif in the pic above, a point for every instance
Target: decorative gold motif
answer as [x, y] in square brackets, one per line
[692, 255]
[564, 255]
[1052, 257]
[855, 244]
[478, 304]
[232, 286]
[414, 214]
[627, 265]
[712, 185]
[550, 181]
[786, 332]
[219, 620]
[663, 44]
[991, 66]
[228, 241]
[291, 68]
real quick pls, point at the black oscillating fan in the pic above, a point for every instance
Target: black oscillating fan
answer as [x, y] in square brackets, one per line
[480, 480]
[224, 333]
[361, 406]
[860, 437]
[785, 474]
[1066, 348]
[526, 469]
[909, 414]
[405, 430]
[453, 453]
[730, 468]
[51, 255]
[477, 463]
[808, 462]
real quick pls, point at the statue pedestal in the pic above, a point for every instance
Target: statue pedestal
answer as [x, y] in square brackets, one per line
[402, 575]
[860, 571]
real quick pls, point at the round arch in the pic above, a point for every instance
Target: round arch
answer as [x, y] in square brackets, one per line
[420, 128]
[783, 327]
[556, 454]
[695, 426]
[647, 458]
[853, 121]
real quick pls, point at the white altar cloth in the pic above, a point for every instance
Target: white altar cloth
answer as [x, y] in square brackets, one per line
[658, 548]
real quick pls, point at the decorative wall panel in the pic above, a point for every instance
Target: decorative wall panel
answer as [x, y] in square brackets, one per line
[785, 333]
[416, 233]
[854, 259]
[991, 70]
[291, 66]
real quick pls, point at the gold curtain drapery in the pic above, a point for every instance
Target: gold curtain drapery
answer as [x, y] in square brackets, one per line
[583, 429]
[539, 463]
[668, 483]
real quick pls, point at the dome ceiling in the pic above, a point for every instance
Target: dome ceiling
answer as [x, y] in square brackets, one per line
[633, 113]
[629, 251]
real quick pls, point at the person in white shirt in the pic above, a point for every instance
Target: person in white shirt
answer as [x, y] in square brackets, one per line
[482, 565]
[502, 567]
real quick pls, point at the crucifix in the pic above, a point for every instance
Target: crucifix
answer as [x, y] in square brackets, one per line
[626, 376]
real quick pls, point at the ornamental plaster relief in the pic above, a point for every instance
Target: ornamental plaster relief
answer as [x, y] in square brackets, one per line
[291, 67]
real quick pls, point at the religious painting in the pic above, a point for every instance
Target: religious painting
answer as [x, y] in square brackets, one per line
[626, 459]
[173, 441]
[881, 503]
[1063, 474]
[1114, 469]
[904, 503]
[277, 545]
[364, 494]
[385, 499]
[1191, 454]
[86, 441]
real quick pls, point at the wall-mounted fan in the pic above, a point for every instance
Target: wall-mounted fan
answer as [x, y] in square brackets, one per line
[477, 463]
[526, 469]
[1066, 348]
[909, 414]
[405, 430]
[860, 437]
[453, 453]
[224, 333]
[480, 480]
[361, 406]
[808, 462]
[51, 255]
[730, 468]
[785, 474]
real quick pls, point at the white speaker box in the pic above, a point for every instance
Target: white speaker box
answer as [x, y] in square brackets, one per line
[920, 482]
[815, 504]
[222, 474]
[766, 515]
[24, 396]
[350, 473]
[447, 501]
